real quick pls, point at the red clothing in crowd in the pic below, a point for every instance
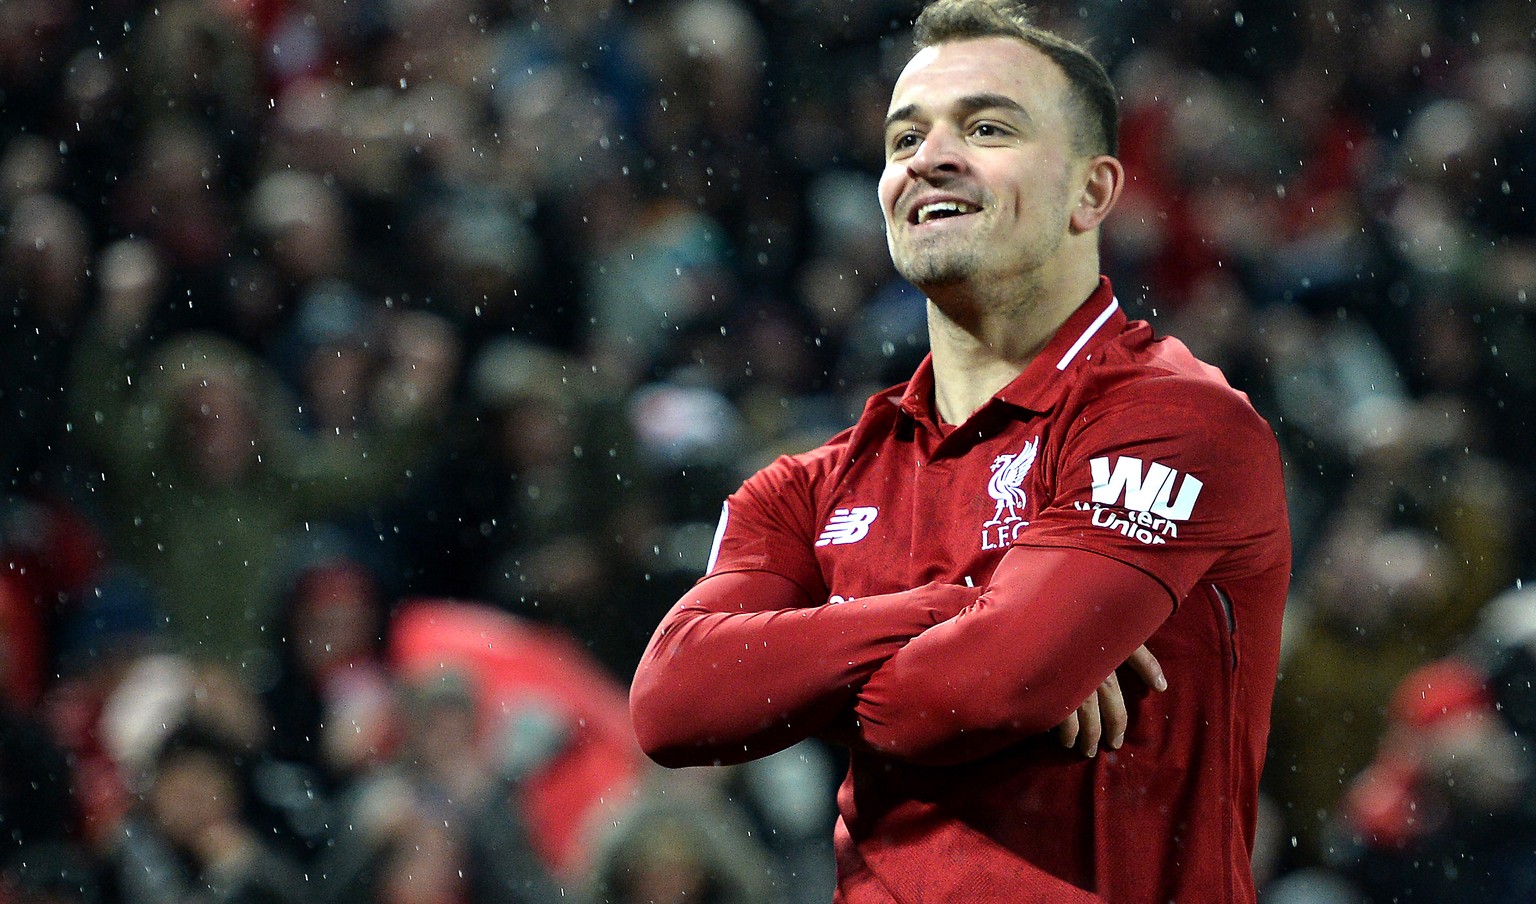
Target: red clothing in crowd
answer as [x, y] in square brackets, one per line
[940, 597]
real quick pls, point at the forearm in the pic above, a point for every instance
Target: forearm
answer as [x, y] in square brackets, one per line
[740, 668]
[1048, 629]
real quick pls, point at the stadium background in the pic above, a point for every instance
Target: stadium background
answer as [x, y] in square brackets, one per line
[325, 315]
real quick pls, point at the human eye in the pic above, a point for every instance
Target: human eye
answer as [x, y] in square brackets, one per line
[904, 142]
[990, 129]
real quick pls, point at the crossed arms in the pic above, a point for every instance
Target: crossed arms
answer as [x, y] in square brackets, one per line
[744, 665]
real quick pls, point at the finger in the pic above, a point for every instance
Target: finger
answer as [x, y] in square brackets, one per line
[1067, 731]
[1112, 711]
[1090, 727]
[1146, 666]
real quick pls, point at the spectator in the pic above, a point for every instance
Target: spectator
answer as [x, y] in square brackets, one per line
[1444, 809]
[191, 840]
[45, 258]
[438, 823]
[680, 848]
[205, 466]
[328, 668]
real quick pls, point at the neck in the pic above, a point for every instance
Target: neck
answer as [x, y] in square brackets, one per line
[981, 341]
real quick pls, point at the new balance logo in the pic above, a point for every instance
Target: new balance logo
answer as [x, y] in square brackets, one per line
[848, 525]
[1144, 490]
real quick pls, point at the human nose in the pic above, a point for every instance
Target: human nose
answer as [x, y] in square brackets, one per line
[941, 153]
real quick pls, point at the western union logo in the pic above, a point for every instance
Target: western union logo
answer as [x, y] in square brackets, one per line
[1144, 488]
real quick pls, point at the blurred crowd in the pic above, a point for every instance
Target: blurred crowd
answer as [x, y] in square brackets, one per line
[373, 373]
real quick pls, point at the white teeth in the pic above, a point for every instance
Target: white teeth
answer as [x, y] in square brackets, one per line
[929, 211]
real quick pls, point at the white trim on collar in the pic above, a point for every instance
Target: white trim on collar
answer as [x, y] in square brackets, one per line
[1087, 334]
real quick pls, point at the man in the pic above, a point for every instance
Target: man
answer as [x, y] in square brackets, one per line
[940, 585]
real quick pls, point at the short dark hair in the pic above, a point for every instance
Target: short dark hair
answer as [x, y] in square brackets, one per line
[1097, 113]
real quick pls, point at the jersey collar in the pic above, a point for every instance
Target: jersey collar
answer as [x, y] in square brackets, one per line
[1043, 382]
[1047, 377]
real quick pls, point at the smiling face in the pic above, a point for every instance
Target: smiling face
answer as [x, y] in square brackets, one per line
[981, 177]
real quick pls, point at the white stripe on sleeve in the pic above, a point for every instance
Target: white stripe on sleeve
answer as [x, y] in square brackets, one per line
[714, 549]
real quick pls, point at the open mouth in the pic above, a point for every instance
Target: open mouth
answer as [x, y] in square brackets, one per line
[939, 210]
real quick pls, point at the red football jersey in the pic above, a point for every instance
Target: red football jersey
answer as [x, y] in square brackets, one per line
[1112, 447]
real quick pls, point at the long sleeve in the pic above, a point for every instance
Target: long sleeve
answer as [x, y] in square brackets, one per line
[742, 667]
[1148, 500]
[1048, 628]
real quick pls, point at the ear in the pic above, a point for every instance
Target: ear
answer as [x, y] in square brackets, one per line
[1102, 181]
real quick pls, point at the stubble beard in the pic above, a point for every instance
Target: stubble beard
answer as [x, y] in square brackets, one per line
[936, 267]
[955, 260]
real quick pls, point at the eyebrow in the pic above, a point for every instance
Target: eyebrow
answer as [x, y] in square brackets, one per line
[965, 106]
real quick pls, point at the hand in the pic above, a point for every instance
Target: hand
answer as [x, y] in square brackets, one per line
[1103, 714]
